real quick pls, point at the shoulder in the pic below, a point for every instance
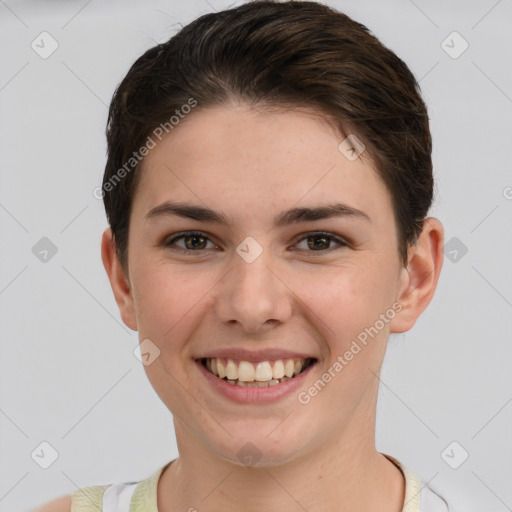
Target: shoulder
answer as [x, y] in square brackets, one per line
[62, 504]
[82, 500]
[92, 498]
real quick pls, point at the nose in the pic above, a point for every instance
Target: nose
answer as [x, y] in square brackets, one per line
[253, 295]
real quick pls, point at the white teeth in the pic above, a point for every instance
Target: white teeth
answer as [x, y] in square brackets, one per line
[261, 374]
[246, 372]
[278, 370]
[289, 367]
[263, 371]
[231, 370]
[257, 384]
[221, 371]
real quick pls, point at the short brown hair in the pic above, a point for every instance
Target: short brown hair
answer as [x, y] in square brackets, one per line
[278, 54]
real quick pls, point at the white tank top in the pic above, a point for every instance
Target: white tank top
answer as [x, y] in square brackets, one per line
[117, 498]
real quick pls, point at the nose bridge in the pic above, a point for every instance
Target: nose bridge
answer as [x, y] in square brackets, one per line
[253, 275]
[252, 293]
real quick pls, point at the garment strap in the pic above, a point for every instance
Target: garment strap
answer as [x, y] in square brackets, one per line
[87, 498]
[117, 498]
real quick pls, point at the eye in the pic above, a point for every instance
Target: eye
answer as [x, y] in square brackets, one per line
[194, 241]
[319, 240]
[197, 241]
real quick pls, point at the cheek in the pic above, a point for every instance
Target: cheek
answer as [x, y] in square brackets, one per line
[169, 307]
[344, 301]
[167, 301]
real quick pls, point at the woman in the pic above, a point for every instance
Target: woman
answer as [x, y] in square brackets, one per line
[267, 187]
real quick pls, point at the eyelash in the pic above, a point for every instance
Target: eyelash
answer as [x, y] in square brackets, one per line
[187, 234]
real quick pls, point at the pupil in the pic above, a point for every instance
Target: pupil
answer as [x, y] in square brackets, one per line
[318, 237]
[196, 237]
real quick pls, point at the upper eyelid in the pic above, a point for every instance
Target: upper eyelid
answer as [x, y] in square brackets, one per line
[299, 238]
[184, 234]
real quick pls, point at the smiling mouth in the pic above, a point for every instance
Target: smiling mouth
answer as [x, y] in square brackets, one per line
[261, 374]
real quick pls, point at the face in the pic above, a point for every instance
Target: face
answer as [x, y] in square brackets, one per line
[263, 279]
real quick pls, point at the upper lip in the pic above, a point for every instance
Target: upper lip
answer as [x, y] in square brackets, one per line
[242, 354]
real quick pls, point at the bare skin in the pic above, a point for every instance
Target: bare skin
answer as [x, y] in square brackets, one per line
[251, 166]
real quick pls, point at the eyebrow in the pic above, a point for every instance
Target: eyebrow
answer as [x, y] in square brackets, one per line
[294, 215]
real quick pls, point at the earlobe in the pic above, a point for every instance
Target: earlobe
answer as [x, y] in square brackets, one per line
[418, 281]
[118, 280]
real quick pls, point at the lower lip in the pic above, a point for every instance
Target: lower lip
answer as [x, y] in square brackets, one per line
[254, 395]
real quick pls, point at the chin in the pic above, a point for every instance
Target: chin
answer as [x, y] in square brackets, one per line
[253, 448]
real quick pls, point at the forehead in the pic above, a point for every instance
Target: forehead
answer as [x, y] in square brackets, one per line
[238, 158]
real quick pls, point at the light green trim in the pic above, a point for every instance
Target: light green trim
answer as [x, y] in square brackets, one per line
[412, 491]
[412, 487]
[88, 499]
[144, 498]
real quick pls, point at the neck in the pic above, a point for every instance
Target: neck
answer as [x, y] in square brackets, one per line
[342, 477]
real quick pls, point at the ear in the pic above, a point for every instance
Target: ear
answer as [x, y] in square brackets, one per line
[418, 281]
[118, 280]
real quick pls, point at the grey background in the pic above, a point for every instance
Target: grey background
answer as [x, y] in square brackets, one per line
[67, 369]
